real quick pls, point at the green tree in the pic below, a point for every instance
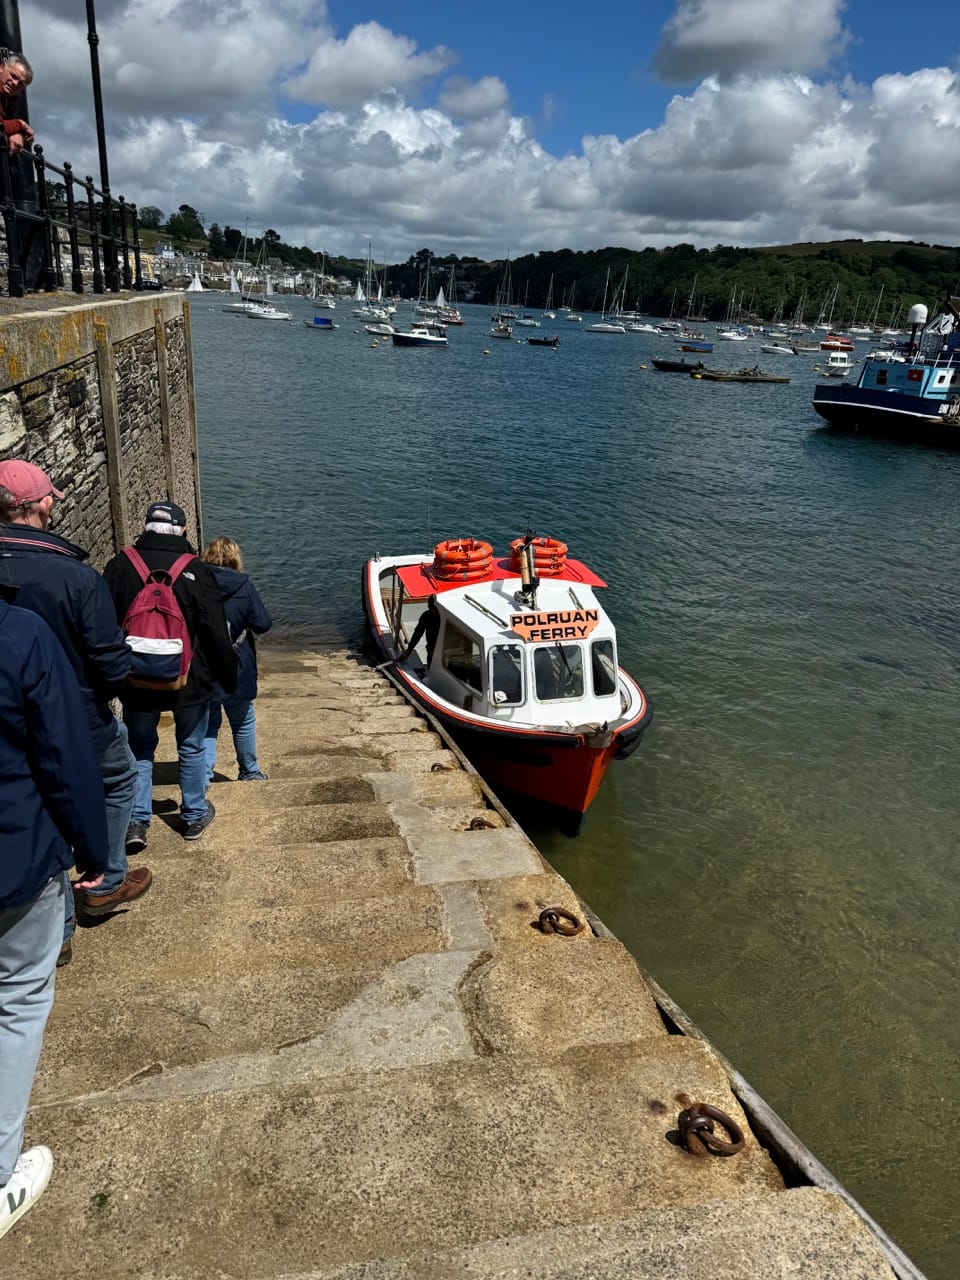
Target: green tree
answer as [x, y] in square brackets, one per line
[150, 217]
[186, 224]
[216, 243]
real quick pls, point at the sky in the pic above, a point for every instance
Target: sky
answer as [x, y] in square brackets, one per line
[511, 126]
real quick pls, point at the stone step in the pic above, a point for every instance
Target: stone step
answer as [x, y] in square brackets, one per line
[304, 1172]
[803, 1232]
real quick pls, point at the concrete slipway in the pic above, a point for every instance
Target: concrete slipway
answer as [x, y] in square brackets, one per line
[331, 1043]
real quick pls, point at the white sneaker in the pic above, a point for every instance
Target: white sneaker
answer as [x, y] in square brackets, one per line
[29, 1181]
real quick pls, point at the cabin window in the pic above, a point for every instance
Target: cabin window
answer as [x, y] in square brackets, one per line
[461, 656]
[558, 671]
[603, 663]
[881, 377]
[506, 674]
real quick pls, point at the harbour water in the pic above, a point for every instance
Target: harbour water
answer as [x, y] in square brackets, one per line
[781, 852]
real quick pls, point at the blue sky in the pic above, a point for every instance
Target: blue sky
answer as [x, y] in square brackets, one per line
[472, 128]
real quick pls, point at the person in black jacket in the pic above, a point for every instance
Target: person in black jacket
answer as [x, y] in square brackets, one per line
[162, 542]
[50, 799]
[246, 619]
[54, 582]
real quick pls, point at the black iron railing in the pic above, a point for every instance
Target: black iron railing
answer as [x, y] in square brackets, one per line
[59, 225]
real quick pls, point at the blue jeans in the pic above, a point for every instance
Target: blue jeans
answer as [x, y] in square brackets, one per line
[243, 724]
[190, 726]
[29, 942]
[119, 772]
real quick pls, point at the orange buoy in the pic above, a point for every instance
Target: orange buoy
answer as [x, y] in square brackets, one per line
[462, 559]
[549, 556]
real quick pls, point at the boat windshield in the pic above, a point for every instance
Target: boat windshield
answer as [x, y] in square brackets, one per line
[558, 671]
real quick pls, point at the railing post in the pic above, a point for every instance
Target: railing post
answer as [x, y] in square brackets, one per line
[14, 269]
[94, 236]
[47, 273]
[110, 271]
[127, 277]
[76, 273]
[135, 233]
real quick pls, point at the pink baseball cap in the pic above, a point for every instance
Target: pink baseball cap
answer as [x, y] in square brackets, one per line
[26, 481]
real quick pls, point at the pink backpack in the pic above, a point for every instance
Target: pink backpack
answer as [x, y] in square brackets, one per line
[155, 628]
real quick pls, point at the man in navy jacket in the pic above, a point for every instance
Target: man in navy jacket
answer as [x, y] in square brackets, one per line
[73, 600]
[51, 799]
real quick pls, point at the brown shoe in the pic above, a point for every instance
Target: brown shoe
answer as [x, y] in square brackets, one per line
[135, 885]
[66, 954]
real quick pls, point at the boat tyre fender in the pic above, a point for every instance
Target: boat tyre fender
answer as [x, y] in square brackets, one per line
[628, 743]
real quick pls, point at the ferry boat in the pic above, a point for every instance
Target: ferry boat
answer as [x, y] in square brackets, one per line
[521, 666]
[912, 389]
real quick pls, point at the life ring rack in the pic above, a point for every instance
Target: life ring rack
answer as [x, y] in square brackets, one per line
[462, 559]
[549, 556]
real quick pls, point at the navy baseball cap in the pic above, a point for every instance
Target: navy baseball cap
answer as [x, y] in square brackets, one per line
[166, 513]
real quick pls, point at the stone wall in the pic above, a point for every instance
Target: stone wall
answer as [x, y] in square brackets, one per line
[101, 396]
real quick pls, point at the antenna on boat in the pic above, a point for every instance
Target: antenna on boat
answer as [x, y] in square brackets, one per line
[528, 575]
[429, 521]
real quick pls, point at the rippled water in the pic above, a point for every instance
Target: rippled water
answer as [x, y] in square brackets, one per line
[781, 852]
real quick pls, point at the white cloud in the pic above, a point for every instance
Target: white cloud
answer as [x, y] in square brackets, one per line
[726, 37]
[763, 157]
[371, 60]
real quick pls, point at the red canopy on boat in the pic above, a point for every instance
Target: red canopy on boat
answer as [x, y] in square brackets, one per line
[419, 580]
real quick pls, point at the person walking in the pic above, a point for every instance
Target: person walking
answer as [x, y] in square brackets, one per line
[53, 580]
[51, 798]
[246, 619]
[162, 543]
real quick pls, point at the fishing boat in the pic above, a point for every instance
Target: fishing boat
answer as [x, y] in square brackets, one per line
[321, 322]
[679, 366]
[912, 390]
[518, 662]
[739, 375]
[553, 341]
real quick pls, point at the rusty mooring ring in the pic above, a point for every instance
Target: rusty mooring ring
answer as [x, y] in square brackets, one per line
[698, 1135]
[559, 920]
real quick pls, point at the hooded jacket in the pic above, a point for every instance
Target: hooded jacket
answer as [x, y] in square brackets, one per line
[214, 661]
[246, 619]
[71, 597]
[51, 792]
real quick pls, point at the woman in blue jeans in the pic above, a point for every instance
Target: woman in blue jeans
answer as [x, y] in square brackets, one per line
[246, 618]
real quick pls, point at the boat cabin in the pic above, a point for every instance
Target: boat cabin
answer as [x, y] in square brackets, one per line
[495, 655]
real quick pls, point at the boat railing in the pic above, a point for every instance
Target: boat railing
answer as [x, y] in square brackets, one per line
[70, 220]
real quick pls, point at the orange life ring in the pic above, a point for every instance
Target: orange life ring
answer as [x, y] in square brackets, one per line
[462, 559]
[549, 556]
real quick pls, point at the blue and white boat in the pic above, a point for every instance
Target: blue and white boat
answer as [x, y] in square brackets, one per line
[911, 390]
[320, 322]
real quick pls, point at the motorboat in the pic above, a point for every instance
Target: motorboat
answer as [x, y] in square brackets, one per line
[320, 322]
[679, 366]
[380, 329]
[267, 311]
[836, 342]
[527, 321]
[703, 347]
[837, 364]
[521, 667]
[777, 349]
[912, 390]
[420, 335]
[605, 326]
[732, 335]
[553, 341]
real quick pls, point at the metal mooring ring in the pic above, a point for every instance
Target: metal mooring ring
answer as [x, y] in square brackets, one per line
[698, 1135]
[559, 920]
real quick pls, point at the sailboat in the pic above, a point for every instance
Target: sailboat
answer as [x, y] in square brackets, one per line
[195, 285]
[548, 311]
[603, 325]
[365, 308]
[234, 282]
